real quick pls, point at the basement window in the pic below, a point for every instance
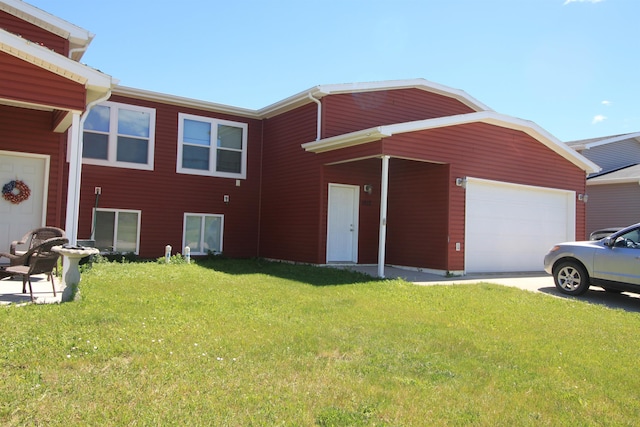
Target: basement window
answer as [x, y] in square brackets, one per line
[203, 233]
[117, 230]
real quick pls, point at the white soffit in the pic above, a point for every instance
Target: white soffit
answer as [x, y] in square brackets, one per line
[49, 60]
[184, 102]
[489, 117]
[78, 37]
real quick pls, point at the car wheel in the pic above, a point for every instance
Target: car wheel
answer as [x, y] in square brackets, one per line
[571, 278]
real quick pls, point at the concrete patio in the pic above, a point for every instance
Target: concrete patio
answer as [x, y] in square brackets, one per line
[11, 290]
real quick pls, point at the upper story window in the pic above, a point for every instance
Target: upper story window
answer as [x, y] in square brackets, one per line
[119, 135]
[211, 147]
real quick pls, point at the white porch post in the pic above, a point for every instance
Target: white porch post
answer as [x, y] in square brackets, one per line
[75, 172]
[384, 192]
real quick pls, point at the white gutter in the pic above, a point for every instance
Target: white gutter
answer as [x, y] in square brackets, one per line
[75, 171]
[319, 120]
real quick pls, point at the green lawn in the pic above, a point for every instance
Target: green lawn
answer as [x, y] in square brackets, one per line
[252, 343]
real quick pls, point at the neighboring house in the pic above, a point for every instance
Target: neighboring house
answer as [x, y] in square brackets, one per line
[614, 192]
[408, 173]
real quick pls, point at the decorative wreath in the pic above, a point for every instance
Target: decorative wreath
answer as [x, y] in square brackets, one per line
[16, 191]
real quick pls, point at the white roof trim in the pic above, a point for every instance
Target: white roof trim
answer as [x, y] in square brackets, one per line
[609, 181]
[606, 140]
[489, 117]
[78, 37]
[184, 102]
[49, 60]
[626, 175]
[319, 92]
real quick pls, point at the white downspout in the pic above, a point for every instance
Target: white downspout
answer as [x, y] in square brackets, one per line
[384, 193]
[75, 171]
[319, 121]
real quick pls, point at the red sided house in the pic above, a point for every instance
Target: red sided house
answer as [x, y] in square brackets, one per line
[407, 173]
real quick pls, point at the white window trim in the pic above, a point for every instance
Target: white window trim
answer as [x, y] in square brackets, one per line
[201, 215]
[113, 138]
[213, 148]
[115, 226]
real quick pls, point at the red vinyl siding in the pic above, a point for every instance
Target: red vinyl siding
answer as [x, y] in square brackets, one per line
[357, 173]
[33, 33]
[418, 211]
[292, 191]
[25, 82]
[346, 113]
[164, 196]
[494, 153]
[29, 131]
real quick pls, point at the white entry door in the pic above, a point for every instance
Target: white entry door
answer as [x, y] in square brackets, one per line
[17, 219]
[342, 223]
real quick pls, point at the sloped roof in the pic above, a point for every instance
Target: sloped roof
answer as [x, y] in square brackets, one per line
[318, 92]
[305, 97]
[585, 144]
[629, 174]
[489, 117]
[79, 38]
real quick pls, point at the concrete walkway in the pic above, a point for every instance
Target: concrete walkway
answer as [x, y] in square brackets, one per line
[533, 281]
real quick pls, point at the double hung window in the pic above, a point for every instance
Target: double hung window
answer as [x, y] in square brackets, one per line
[211, 147]
[117, 230]
[119, 135]
[203, 233]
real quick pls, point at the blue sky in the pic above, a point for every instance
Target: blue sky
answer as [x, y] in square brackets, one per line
[571, 66]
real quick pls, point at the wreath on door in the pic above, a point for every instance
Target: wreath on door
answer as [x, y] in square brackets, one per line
[16, 191]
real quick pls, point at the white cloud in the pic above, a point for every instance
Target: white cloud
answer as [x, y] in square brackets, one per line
[581, 1]
[598, 119]
[606, 103]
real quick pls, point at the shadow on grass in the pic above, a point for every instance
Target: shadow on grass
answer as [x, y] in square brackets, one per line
[621, 301]
[303, 273]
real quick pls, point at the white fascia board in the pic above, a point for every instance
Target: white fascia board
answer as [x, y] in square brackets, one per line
[489, 117]
[591, 182]
[610, 140]
[321, 91]
[49, 60]
[78, 37]
[347, 140]
[422, 84]
[185, 102]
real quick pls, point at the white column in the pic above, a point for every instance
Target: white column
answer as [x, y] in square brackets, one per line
[384, 192]
[75, 172]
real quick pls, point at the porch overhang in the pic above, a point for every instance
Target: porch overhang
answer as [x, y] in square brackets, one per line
[489, 117]
[96, 83]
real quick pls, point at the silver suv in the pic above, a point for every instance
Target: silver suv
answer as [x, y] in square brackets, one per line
[613, 263]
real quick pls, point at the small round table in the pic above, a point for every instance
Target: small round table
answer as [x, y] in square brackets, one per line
[71, 276]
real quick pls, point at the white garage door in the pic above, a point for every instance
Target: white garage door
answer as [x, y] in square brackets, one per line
[511, 227]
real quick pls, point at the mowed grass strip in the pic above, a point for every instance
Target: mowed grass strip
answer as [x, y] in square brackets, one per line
[239, 343]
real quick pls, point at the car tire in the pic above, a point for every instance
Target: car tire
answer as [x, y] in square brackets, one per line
[571, 278]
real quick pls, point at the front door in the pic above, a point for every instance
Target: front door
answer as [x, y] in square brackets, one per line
[16, 219]
[342, 223]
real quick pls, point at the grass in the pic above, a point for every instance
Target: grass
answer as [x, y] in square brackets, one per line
[252, 343]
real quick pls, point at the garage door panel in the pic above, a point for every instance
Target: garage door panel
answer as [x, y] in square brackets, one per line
[510, 227]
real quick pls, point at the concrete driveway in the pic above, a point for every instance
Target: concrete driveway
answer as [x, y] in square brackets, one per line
[533, 281]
